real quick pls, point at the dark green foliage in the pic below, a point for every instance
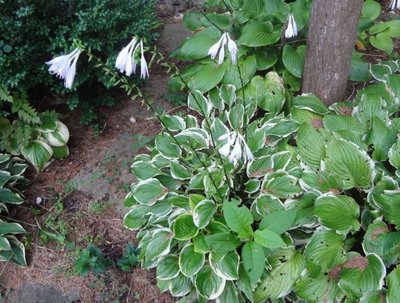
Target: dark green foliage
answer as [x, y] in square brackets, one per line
[91, 259]
[129, 259]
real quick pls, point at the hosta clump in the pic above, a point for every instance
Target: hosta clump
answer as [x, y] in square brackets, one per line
[309, 213]
[11, 183]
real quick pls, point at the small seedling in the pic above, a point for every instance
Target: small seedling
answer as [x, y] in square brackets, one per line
[91, 259]
[129, 259]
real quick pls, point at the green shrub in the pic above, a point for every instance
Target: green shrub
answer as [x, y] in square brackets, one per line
[274, 198]
[11, 184]
[34, 30]
[91, 259]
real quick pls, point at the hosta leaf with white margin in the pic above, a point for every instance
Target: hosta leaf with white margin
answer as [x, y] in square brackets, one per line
[386, 244]
[321, 289]
[236, 117]
[281, 185]
[293, 59]
[369, 107]
[173, 123]
[209, 284]
[199, 103]
[303, 208]
[222, 241]
[204, 77]
[17, 252]
[278, 221]
[38, 153]
[178, 171]
[273, 98]
[227, 93]
[197, 46]
[394, 155]
[180, 286]
[361, 274]
[168, 267]
[166, 147]
[280, 128]
[8, 196]
[238, 219]
[382, 138]
[248, 68]
[311, 103]
[259, 167]
[144, 170]
[193, 138]
[311, 144]
[59, 137]
[286, 267]
[203, 213]
[253, 260]
[267, 203]
[60, 152]
[184, 228]
[229, 295]
[11, 228]
[324, 251]
[190, 262]
[149, 191]
[389, 203]
[268, 239]
[393, 289]
[348, 161]
[218, 129]
[225, 265]
[340, 213]
[252, 186]
[255, 137]
[320, 181]
[159, 244]
[258, 33]
[200, 244]
[136, 217]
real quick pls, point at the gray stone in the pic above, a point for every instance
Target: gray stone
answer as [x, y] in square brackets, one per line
[37, 293]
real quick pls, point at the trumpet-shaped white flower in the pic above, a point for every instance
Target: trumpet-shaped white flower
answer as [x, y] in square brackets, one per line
[219, 49]
[126, 62]
[291, 30]
[239, 149]
[394, 4]
[65, 67]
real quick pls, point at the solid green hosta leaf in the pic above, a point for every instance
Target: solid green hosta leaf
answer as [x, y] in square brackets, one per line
[229, 295]
[287, 266]
[362, 274]
[144, 170]
[268, 239]
[8, 196]
[149, 191]
[199, 103]
[168, 268]
[197, 46]
[349, 162]
[393, 289]
[389, 203]
[338, 123]
[278, 221]
[338, 212]
[209, 284]
[203, 213]
[320, 289]
[311, 103]
[11, 228]
[164, 144]
[159, 244]
[244, 284]
[227, 93]
[184, 228]
[248, 68]
[180, 286]
[222, 242]
[293, 59]
[273, 95]
[38, 153]
[382, 41]
[254, 7]
[312, 145]
[324, 251]
[359, 69]
[258, 33]
[253, 258]
[205, 77]
[190, 262]
[200, 244]
[179, 172]
[239, 219]
[371, 9]
[281, 185]
[382, 138]
[379, 240]
[60, 152]
[225, 265]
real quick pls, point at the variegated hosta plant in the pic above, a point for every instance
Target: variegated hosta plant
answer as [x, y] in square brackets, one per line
[268, 198]
[11, 181]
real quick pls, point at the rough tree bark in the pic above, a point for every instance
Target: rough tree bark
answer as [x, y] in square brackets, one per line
[331, 39]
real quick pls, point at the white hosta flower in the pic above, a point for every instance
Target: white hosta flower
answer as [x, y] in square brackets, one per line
[144, 71]
[126, 62]
[219, 49]
[291, 30]
[394, 4]
[65, 67]
[239, 149]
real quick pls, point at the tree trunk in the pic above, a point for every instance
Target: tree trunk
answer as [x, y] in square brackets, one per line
[331, 39]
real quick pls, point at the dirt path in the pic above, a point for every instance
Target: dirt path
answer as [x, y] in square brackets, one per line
[81, 200]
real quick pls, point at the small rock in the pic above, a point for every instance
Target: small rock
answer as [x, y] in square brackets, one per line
[38, 200]
[132, 119]
[178, 17]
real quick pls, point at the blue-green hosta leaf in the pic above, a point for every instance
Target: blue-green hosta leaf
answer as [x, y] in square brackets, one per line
[340, 213]
[203, 213]
[180, 286]
[144, 170]
[190, 262]
[38, 153]
[268, 239]
[227, 93]
[184, 228]
[149, 191]
[287, 266]
[311, 144]
[293, 59]
[393, 289]
[229, 295]
[320, 289]
[209, 284]
[281, 185]
[348, 161]
[389, 203]
[225, 265]
[8, 196]
[159, 244]
[222, 241]
[253, 258]
[239, 219]
[362, 274]
[379, 240]
[324, 251]
[136, 217]
[311, 103]
[168, 267]
[199, 103]
[166, 146]
[258, 33]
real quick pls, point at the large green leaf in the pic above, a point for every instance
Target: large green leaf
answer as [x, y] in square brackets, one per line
[338, 212]
[311, 103]
[293, 59]
[222, 242]
[149, 191]
[258, 33]
[239, 219]
[278, 221]
[248, 68]
[144, 170]
[196, 47]
[204, 77]
[268, 239]
[311, 144]
[320, 289]
[11, 228]
[389, 203]
[383, 41]
[371, 9]
[281, 185]
[166, 147]
[209, 284]
[359, 69]
[190, 262]
[253, 258]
